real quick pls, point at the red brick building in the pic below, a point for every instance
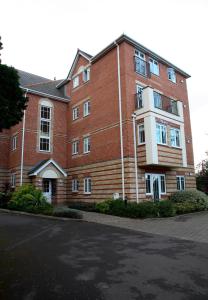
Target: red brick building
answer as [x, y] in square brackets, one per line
[118, 125]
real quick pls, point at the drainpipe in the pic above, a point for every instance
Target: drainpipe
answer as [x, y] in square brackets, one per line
[23, 145]
[135, 157]
[120, 117]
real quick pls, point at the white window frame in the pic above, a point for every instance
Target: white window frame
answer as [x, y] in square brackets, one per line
[86, 144]
[75, 113]
[154, 66]
[75, 81]
[14, 142]
[75, 147]
[139, 54]
[151, 183]
[139, 91]
[139, 134]
[162, 128]
[171, 74]
[157, 100]
[173, 137]
[13, 180]
[86, 108]
[86, 74]
[179, 180]
[87, 185]
[42, 135]
[75, 185]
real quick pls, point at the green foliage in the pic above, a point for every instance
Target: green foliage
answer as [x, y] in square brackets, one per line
[12, 100]
[87, 206]
[202, 175]
[30, 199]
[166, 209]
[193, 196]
[66, 212]
[133, 210]
[4, 199]
[185, 207]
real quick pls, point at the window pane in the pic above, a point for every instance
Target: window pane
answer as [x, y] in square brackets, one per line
[45, 112]
[162, 183]
[182, 183]
[148, 184]
[141, 134]
[44, 144]
[157, 100]
[45, 128]
[178, 183]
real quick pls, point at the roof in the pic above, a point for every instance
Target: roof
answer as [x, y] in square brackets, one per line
[43, 164]
[79, 52]
[119, 40]
[26, 78]
[40, 85]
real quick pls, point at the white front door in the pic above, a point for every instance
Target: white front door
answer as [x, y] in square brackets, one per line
[47, 189]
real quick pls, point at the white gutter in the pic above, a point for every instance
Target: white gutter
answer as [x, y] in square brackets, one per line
[135, 157]
[28, 90]
[120, 117]
[23, 145]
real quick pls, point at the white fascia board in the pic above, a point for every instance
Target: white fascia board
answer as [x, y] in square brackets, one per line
[45, 165]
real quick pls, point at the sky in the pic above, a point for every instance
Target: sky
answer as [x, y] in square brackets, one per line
[42, 37]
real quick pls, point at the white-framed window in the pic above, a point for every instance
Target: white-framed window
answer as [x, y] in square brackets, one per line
[157, 100]
[171, 75]
[75, 113]
[86, 74]
[141, 134]
[45, 128]
[75, 185]
[180, 180]
[139, 98]
[161, 134]
[86, 108]
[13, 180]
[75, 147]
[87, 185]
[155, 183]
[175, 137]
[76, 81]
[139, 54]
[154, 66]
[140, 63]
[86, 144]
[14, 142]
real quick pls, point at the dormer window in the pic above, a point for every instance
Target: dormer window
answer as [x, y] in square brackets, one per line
[75, 81]
[171, 75]
[86, 75]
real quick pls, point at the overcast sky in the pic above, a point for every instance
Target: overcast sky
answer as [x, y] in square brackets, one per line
[42, 36]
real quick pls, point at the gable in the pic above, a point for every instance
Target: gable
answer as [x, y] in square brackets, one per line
[80, 64]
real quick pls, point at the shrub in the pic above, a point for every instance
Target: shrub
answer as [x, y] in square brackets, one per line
[30, 199]
[4, 199]
[64, 211]
[185, 207]
[103, 207]
[87, 206]
[166, 208]
[193, 196]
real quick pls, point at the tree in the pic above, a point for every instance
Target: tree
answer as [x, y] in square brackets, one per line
[1, 47]
[12, 100]
[202, 175]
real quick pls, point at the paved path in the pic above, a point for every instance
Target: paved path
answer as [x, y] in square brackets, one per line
[192, 227]
[43, 259]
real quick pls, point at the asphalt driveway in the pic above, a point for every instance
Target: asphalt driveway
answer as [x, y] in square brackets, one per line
[52, 259]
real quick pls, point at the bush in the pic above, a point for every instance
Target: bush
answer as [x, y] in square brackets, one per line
[131, 210]
[86, 206]
[184, 208]
[4, 199]
[193, 196]
[64, 211]
[30, 199]
[166, 208]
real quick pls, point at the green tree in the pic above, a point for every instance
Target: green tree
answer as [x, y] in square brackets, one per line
[202, 175]
[12, 99]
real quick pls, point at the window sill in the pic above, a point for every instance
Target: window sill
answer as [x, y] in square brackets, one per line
[87, 193]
